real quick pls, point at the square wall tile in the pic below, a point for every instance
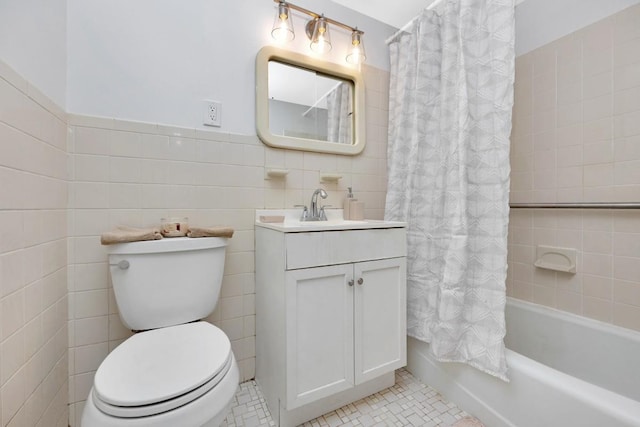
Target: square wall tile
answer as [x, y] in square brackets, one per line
[597, 309]
[627, 316]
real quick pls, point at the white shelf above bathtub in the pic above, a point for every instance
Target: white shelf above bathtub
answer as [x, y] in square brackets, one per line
[557, 259]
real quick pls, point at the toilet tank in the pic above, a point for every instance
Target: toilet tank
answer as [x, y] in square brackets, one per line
[166, 282]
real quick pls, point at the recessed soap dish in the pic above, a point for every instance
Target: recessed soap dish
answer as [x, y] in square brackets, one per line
[557, 259]
[274, 173]
[330, 177]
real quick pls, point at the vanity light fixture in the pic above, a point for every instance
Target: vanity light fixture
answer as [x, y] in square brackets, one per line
[320, 39]
[283, 26]
[356, 54]
[317, 29]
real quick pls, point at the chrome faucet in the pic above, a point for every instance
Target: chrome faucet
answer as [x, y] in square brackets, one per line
[314, 214]
[314, 204]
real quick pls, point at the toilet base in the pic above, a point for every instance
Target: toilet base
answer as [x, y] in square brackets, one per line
[209, 410]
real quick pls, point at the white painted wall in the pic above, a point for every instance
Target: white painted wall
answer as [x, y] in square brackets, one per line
[33, 42]
[156, 60]
[539, 22]
[397, 13]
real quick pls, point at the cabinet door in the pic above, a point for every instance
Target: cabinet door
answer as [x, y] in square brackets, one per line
[319, 325]
[380, 317]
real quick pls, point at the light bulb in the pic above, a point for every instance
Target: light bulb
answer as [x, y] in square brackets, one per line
[356, 53]
[321, 41]
[283, 26]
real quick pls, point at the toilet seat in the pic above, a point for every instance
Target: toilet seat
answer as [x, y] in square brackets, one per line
[158, 408]
[162, 369]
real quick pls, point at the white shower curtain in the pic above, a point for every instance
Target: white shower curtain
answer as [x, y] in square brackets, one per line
[451, 94]
[339, 117]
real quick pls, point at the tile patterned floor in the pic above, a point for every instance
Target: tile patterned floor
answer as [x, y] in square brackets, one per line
[407, 403]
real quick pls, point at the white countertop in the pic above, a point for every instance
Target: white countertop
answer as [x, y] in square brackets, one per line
[292, 223]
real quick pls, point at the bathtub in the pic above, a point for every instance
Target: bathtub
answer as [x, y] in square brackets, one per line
[565, 371]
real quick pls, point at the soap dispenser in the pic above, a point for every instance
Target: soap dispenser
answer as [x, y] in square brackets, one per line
[346, 207]
[356, 210]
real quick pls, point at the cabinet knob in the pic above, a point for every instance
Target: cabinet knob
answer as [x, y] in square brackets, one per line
[360, 281]
[351, 282]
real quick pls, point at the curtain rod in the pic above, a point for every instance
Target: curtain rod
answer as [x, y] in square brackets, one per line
[596, 205]
[410, 23]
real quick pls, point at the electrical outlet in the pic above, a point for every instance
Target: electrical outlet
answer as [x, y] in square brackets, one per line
[212, 113]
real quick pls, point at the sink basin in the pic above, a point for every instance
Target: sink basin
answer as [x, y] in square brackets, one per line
[292, 223]
[328, 223]
[299, 226]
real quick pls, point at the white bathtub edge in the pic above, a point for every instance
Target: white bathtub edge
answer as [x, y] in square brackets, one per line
[533, 385]
[565, 316]
[427, 370]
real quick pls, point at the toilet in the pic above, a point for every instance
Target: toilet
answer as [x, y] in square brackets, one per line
[178, 370]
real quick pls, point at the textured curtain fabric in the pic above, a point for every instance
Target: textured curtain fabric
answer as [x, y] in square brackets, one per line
[451, 94]
[339, 117]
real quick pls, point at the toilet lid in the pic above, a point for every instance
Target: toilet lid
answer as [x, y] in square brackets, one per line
[161, 364]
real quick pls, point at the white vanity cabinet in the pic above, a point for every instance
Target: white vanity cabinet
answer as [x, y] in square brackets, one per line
[330, 317]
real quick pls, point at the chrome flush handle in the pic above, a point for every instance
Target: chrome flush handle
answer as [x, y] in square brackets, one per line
[122, 265]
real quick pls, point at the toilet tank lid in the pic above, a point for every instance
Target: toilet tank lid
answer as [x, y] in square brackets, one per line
[173, 244]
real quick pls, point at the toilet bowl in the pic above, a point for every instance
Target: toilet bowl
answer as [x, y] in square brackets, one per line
[182, 375]
[172, 374]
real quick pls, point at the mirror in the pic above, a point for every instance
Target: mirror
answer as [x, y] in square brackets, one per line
[310, 105]
[303, 103]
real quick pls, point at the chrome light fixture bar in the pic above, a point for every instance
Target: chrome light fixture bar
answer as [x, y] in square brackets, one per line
[317, 30]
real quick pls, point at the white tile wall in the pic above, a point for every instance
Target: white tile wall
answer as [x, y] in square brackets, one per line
[33, 256]
[61, 191]
[128, 173]
[576, 138]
